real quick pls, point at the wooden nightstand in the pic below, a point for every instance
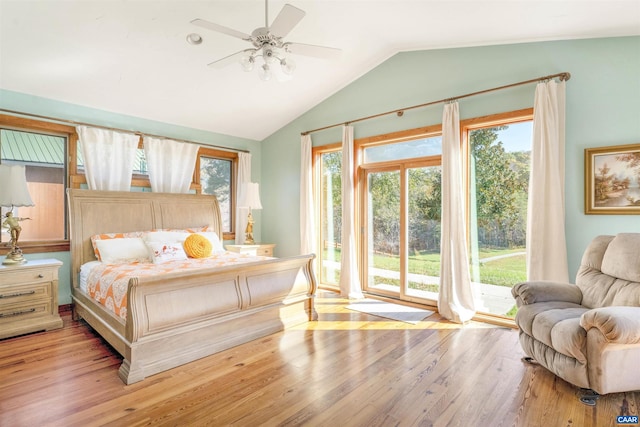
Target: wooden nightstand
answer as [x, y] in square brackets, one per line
[262, 249]
[29, 297]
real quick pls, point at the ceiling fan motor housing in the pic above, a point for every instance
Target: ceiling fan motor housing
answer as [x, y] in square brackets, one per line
[261, 37]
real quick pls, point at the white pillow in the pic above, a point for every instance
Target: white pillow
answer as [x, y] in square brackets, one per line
[167, 251]
[123, 251]
[166, 236]
[216, 244]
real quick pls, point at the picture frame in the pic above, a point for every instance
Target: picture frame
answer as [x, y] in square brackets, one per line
[612, 180]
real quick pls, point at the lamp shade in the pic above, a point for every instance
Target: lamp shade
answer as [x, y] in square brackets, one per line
[13, 186]
[249, 196]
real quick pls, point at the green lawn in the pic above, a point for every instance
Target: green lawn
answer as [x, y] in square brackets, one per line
[505, 271]
[502, 272]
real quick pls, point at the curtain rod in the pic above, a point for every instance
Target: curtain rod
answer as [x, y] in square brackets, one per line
[400, 111]
[135, 132]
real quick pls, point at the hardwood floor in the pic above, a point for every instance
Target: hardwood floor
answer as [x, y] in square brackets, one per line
[346, 369]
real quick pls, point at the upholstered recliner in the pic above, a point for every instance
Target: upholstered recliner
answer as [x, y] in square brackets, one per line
[588, 333]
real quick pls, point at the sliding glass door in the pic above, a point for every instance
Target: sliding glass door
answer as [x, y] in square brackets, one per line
[383, 235]
[400, 206]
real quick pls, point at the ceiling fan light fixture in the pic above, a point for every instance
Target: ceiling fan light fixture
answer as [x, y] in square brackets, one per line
[247, 62]
[264, 72]
[269, 56]
[288, 66]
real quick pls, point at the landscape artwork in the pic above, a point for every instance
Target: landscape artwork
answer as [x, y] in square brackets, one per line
[612, 180]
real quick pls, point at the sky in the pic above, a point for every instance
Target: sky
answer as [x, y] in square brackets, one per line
[517, 137]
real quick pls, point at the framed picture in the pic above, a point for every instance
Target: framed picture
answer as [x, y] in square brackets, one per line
[612, 180]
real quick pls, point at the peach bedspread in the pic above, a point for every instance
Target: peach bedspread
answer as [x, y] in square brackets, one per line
[108, 283]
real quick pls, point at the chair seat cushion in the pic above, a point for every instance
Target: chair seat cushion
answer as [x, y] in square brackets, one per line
[557, 325]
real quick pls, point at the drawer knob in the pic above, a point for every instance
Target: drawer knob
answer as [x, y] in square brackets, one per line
[40, 276]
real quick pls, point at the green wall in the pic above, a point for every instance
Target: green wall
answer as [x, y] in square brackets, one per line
[35, 105]
[603, 108]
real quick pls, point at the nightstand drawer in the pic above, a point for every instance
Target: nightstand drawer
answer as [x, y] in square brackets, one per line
[31, 309]
[17, 293]
[32, 275]
[29, 297]
[265, 251]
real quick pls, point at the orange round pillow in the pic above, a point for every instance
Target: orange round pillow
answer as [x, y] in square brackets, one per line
[197, 246]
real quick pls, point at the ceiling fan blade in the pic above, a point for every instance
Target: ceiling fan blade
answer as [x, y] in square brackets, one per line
[286, 20]
[221, 29]
[234, 57]
[322, 52]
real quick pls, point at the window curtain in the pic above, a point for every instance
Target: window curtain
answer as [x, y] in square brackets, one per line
[307, 208]
[546, 242]
[170, 164]
[108, 158]
[455, 299]
[349, 277]
[244, 176]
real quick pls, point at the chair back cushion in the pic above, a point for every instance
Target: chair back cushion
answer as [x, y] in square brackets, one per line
[622, 258]
[610, 271]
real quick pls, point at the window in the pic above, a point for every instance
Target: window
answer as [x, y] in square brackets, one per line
[42, 148]
[328, 166]
[399, 212]
[216, 172]
[53, 163]
[400, 216]
[499, 164]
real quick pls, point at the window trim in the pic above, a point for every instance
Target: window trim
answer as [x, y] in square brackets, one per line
[51, 128]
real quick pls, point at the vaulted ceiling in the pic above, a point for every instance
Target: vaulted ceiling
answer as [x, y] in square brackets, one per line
[132, 57]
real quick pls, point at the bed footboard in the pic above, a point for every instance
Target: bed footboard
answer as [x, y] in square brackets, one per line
[175, 319]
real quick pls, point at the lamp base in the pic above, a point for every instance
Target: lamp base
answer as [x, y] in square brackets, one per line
[248, 232]
[14, 258]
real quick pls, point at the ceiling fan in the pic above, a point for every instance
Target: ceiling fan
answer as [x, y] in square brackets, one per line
[268, 43]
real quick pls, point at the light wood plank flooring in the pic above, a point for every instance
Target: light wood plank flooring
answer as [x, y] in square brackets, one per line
[347, 369]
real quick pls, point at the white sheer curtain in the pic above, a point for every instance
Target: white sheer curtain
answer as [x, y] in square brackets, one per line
[108, 158]
[170, 164]
[546, 242]
[307, 208]
[244, 176]
[455, 299]
[349, 277]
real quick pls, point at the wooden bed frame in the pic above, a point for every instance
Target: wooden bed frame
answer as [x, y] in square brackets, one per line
[176, 318]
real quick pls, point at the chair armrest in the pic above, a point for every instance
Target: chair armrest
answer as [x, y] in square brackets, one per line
[542, 291]
[618, 324]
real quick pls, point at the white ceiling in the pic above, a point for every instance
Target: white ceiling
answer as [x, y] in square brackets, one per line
[131, 57]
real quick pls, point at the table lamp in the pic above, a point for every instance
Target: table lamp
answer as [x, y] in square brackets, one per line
[13, 193]
[249, 198]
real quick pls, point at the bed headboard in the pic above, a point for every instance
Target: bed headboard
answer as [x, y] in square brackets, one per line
[97, 212]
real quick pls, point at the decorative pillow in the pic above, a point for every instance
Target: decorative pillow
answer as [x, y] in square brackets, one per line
[216, 244]
[163, 252]
[122, 250]
[166, 236]
[197, 246]
[110, 236]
